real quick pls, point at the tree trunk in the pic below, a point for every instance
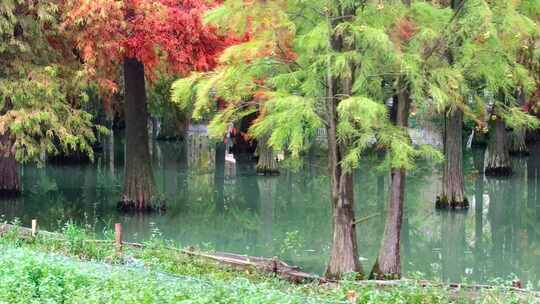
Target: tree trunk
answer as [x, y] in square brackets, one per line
[453, 190]
[267, 163]
[498, 157]
[344, 252]
[517, 144]
[388, 264]
[10, 182]
[139, 184]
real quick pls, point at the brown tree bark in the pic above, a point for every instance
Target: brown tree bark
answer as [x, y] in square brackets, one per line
[267, 163]
[10, 182]
[344, 250]
[388, 264]
[139, 184]
[453, 190]
[498, 156]
[518, 145]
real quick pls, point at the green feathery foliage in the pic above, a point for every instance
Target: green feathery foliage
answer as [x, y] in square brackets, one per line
[41, 90]
[444, 58]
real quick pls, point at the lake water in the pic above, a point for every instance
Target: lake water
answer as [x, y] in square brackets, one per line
[289, 215]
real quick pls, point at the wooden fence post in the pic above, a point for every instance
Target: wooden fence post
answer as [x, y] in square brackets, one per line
[118, 236]
[34, 228]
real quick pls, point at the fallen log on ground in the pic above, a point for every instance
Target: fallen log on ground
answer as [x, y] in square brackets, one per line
[288, 272]
[267, 265]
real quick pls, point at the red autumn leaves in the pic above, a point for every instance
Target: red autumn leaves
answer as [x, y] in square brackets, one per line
[167, 36]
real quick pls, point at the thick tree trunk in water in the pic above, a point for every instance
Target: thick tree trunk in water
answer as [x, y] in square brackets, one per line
[498, 157]
[267, 163]
[453, 190]
[388, 264]
[10, 182]
[139, 185]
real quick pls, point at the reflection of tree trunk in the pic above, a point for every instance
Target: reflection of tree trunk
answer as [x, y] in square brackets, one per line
[478, 160]
[267, 163]
[89, 191]
[532, 176]
[139, 185]
[453, 190]
[453, 245]
[219, 177]
[183, 186]
[247, 183]
[388, 264]
[497, 200]
[517, 196]
[498, 156]
[111, 151]
[268, 192]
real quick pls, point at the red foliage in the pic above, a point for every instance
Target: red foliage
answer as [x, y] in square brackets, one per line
[167, 36]
[404, 30]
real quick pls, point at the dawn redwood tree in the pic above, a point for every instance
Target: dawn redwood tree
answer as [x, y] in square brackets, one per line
[267, 163]
[501, 74]
[41, 93]
[388, 263]
[302, 77]
[142, 38]
[453, 185]
[498, 161]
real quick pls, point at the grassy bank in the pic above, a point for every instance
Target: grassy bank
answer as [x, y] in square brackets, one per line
[74, 270]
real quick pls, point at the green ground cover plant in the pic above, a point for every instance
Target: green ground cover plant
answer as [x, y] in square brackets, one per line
[74, 269]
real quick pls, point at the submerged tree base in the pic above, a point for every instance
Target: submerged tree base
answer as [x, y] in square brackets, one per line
[135, 207]
[521, 152]
[9, 193]
[443, 202]
[267, 172]
[498, 171]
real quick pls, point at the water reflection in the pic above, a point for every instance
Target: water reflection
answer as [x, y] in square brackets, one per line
[218, 204]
